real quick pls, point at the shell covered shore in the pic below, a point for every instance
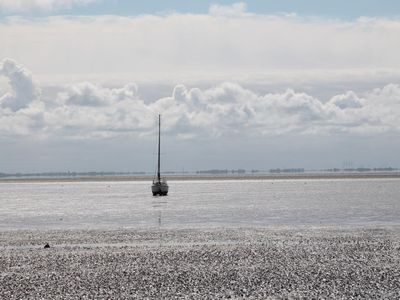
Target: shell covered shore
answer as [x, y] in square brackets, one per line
[201, 264]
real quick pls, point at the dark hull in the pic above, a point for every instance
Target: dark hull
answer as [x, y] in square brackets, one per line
[159, 188]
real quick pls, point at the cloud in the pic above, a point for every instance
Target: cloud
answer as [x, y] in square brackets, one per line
[88, 94]
[24, 88]
[347, 100]
[87, 110]
[220, 45]
[235, 10]
[40, 5]
[92, 111]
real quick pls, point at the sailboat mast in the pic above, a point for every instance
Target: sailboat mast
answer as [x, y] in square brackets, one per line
[159, 141]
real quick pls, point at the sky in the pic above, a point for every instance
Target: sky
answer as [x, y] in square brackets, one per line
[251, 84]
[342, 9]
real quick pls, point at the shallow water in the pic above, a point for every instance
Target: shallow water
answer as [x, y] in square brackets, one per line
[200, 204]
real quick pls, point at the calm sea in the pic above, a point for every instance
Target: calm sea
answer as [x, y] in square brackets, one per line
[200, 204]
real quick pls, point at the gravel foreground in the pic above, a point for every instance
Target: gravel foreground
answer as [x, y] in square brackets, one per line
[201, 264]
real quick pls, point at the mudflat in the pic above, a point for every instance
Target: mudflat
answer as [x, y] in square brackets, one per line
[275, 263]
[175, 177]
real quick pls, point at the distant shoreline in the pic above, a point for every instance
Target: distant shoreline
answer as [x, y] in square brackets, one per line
[194, 177]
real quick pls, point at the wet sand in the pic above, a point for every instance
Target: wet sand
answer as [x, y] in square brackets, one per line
[275, 263]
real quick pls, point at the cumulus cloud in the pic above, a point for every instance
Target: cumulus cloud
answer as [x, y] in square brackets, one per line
[24, 89]
[89, 94]
[42, 5]
[87, 110]
[347, 100]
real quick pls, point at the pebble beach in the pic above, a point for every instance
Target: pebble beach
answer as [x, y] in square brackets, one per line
[275, 263]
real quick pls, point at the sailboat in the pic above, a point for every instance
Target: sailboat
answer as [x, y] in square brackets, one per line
[159, 186]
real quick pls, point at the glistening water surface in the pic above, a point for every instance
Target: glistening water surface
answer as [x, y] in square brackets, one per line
[200, 204]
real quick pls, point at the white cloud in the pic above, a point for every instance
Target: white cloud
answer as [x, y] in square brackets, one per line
[86, 110]
[42, 5]
[24, 89]
[347, 100]
[183, 47]
[88, 94]
[234, 10]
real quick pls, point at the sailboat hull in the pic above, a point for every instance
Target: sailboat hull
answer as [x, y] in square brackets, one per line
[159, 188]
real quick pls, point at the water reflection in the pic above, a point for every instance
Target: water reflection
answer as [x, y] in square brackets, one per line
[159, 204]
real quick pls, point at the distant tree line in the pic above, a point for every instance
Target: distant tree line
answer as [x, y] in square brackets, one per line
[69, 174]
[224, 171]
[211, 171]
[388, 169]
[295, 170]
